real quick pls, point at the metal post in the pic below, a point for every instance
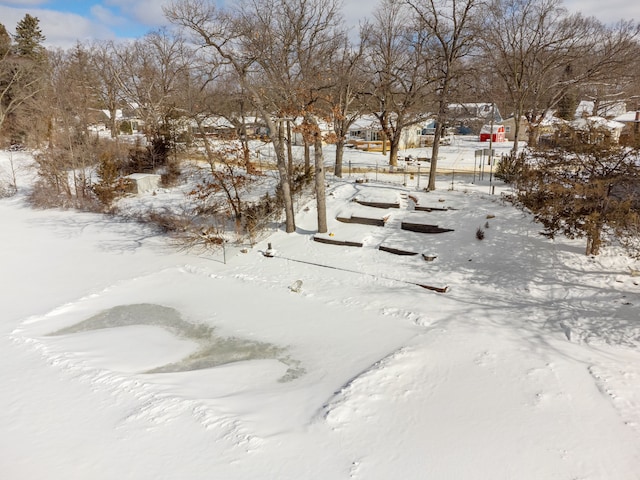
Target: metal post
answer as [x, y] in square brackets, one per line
[474, 168]
[490, 170]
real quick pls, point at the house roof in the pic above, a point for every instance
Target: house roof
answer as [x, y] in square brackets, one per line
[365, 122]
[140, 176]
[119, 114]
[605, 109]
[496, 128]
[628, 117]
[597, 122]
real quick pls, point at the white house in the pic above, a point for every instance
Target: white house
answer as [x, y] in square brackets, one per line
[613, 127]
[510, 129]
[367, 129]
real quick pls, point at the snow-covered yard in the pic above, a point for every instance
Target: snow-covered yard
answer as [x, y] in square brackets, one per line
[528, 367]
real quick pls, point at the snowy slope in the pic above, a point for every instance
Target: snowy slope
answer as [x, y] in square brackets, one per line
[528, 367]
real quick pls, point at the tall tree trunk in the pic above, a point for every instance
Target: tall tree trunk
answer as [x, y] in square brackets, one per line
[517, 115]
[321, 203]
[339, 156]
[394, 147]
[246, 151]
[435, 149]
[276, 136]
[285, 188]
[384, 149]
[534, 134]
[289, 147]
[307, 159]
[516, 131]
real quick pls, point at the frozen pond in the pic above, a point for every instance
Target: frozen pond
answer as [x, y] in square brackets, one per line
[213, 350]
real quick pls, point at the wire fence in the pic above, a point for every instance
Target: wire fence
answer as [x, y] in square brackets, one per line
[416, 175]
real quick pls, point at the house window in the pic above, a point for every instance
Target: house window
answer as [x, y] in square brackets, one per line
[507, 129]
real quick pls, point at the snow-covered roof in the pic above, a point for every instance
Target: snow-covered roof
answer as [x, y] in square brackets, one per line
[215, 122]
[551, 120]
[366, 122]
[119, 114]
[488, 128]
[598, 122]
[140, 176]
[371, 122]
[604, 109]
[628, 117]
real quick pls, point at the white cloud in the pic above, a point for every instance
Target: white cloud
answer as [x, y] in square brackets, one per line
[147, 12]
[65, 29]
[25, 3]
[106, 16]
[609, 11]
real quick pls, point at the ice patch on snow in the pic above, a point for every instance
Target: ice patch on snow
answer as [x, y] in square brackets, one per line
[213, 352]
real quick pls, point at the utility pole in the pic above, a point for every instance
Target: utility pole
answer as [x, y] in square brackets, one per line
[491, 133]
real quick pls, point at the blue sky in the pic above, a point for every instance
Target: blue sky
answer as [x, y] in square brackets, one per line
[64, 22]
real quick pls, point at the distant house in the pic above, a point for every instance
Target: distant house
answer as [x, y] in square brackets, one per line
[496, 134]
[631, 122]
[510, 129]
[367, 130]
[126, 120]
[214, 126]
[606, 109]
[468, 118]
[222, 127]
[612, 127]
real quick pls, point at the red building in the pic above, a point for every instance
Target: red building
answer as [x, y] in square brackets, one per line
[497, 136]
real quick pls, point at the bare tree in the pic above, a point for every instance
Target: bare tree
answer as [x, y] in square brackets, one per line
[277, 49]
[64, 167]
[452, 27]
[223, 31]
[150, 73]
[397, 64]
[107, 86]
[542, 54]
[346, 99]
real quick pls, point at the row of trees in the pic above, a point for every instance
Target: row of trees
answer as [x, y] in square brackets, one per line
[294, 62]
[295, 59]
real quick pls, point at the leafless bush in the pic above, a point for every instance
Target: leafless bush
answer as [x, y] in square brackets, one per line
[7, 189]
[168, 221]
[480, 233]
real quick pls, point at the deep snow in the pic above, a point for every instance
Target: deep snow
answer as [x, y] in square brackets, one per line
[528, 367]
